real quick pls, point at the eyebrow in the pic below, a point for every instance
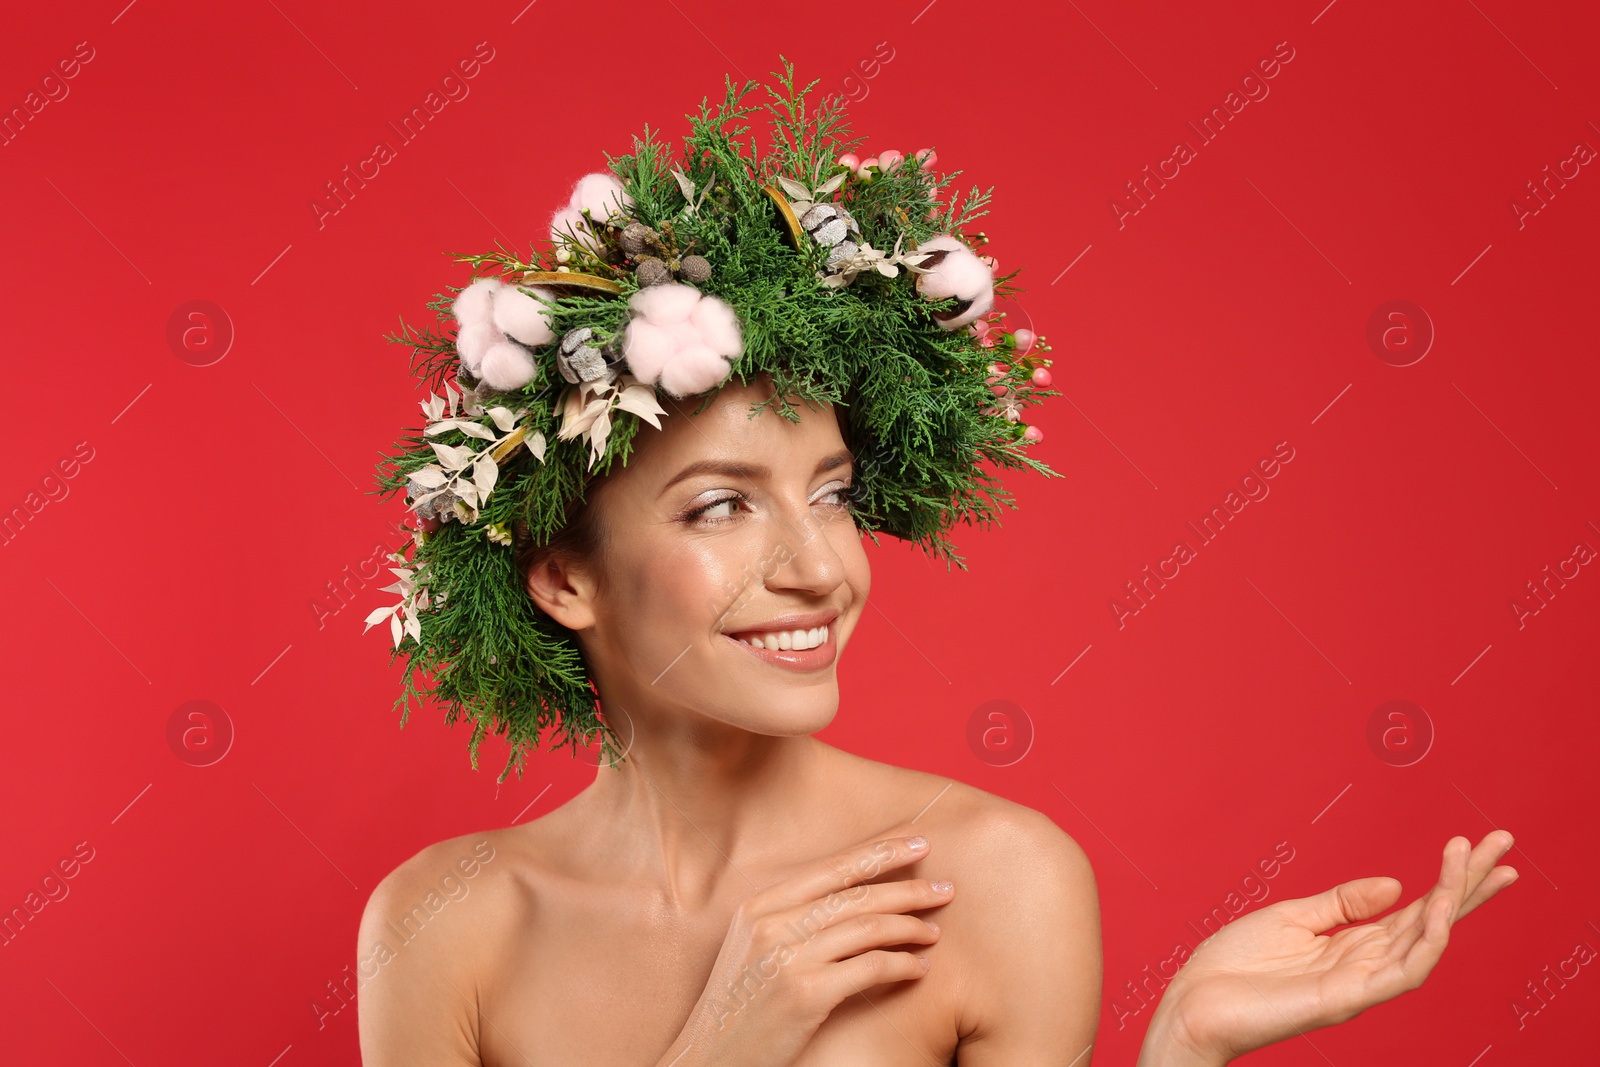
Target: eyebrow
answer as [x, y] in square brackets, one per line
[750, 470]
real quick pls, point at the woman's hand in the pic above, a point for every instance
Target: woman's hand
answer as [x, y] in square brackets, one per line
[796, 948]
[1272, 974]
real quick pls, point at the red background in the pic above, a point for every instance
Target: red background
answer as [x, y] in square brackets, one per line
[1228, 315]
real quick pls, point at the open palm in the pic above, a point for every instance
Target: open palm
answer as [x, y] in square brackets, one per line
[1273, 973]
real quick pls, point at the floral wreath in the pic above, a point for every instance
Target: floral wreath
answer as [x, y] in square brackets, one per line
[848, 280]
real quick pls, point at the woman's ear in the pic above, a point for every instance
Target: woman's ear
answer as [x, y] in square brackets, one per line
[562, 590]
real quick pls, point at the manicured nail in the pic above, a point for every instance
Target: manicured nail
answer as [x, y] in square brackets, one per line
[924, 960]
[932, 924]
[915, 843]
[942, 887]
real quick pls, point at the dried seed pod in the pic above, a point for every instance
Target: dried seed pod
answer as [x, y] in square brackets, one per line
[637, 238]
[575, 337]
[826, 223]
[651, 271]
[569, 358]
[587, 363]
[694, 269]
[841, 251]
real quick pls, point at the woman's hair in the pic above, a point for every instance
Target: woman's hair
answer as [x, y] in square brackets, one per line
[581, 541]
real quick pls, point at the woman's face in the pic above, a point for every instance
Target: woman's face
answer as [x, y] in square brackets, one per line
[719, 524]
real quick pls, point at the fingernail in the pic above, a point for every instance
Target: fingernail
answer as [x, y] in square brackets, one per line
[1449, 911]
[942, 887]
[924, 960]
[915, 843]
[933, 924]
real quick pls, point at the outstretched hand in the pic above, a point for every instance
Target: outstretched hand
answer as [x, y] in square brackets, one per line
[1273, 974]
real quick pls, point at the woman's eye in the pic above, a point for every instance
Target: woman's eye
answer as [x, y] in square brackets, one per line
[840, 497]
[705, 509]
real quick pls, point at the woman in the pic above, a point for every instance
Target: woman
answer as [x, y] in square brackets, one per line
[734, 891]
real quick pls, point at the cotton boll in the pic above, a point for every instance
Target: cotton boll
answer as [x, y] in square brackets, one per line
[507, 366]
[683, 334]
[942, 242]
[981, 305]
[662, 304]
[522, 316]
[693, 370]
[718, 326]
[472, 303]
[473, 340]
[602, 194]
[960, 274]
[647, 349]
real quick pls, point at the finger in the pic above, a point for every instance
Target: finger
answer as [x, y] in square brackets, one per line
[1496, 880]
[1410, 926]
[838, 871]
[1480, 866]
[1344, 903]
[1407, 927]
[879, 898]
[840, 980]
[1419, 962]
[870, 931]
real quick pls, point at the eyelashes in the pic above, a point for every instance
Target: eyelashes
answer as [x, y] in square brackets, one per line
[842, 493]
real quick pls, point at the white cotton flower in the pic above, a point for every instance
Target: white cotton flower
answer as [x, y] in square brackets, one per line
[954, 270]
[523, 317]
[682, 338]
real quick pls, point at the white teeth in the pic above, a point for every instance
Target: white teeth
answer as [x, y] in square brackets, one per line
[789, 640]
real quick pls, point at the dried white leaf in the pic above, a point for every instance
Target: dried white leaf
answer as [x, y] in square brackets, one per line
[503, 418]
[452, 457]
[429, 477]
[414, 628]
[536, 445]
[484, 473]
[376, 616]
[641, 400]
[832, 183]
[684, 184]
[394, 629]
[794, 188]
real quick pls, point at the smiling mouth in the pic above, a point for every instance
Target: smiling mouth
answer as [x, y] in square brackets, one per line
[806, 659]
[786, 640]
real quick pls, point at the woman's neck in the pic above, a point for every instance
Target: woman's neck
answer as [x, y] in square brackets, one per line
[701, 809]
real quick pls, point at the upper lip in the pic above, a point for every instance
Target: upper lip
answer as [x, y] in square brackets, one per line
[795, 621]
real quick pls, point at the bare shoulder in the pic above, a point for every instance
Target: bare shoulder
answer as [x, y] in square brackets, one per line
[987, 835]
[426, 946]
[1023, 929]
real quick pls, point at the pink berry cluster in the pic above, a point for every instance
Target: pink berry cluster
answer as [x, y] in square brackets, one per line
[1022, 347]
[867, 169]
